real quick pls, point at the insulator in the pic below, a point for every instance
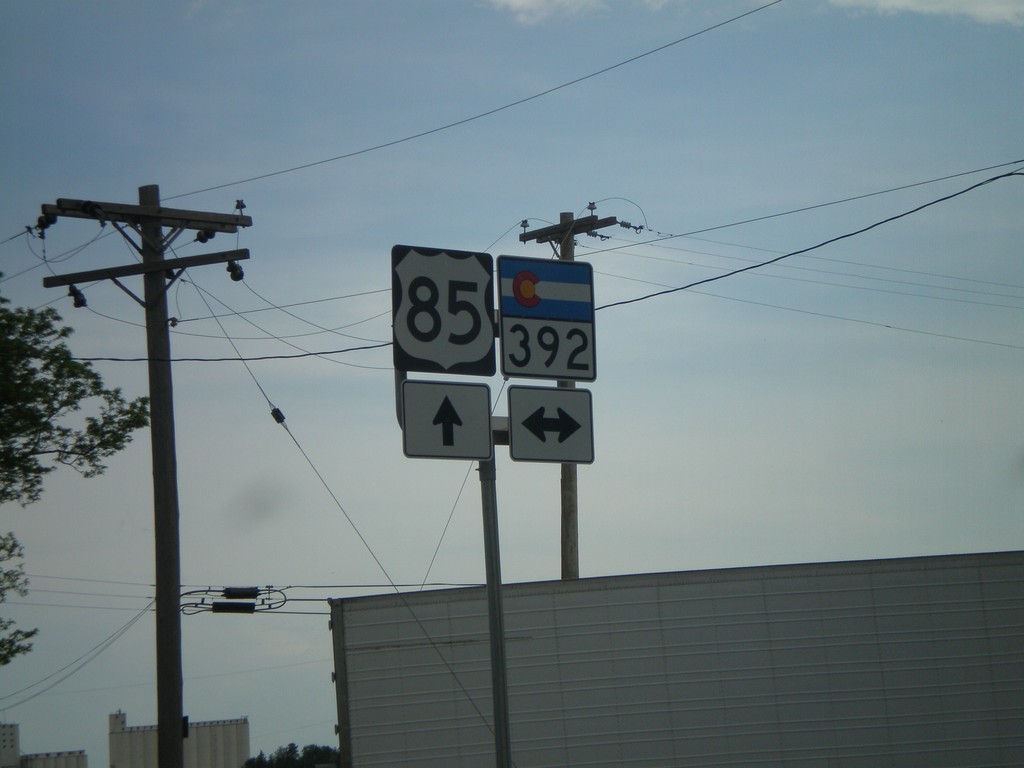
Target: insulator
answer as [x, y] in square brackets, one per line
[78, 298]
[241, 593]
[223, 607]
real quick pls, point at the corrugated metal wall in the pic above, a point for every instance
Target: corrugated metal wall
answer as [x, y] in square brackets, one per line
[908, 662]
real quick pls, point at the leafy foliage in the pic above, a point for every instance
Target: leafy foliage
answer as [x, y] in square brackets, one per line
[41, 386]
[290, 757]
[41, 389]
[13, 642]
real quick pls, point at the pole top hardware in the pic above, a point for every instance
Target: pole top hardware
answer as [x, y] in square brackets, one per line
[558, 232]
[127, 270]
[145, 214]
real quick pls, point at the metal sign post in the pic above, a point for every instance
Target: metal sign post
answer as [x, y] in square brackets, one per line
[495, 615]
[443, 322]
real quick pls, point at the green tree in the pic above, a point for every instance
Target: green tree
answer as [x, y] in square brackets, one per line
[13, 642]
[43, 389]
[290, 757]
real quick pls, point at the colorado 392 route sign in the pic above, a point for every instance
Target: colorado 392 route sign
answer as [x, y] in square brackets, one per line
[547, 318]
[442, 310]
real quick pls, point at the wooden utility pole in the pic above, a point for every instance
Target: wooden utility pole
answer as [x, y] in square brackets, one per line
[564, 234]
[147, 220]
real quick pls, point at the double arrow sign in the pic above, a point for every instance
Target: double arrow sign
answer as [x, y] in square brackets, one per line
[453, 420]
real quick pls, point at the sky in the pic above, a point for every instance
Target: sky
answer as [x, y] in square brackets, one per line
[858, 400]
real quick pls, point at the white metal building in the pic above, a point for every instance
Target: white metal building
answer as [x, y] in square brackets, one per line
[895, 663]
[75, 759]
[11, 757]
[10, 745]
[211, 744]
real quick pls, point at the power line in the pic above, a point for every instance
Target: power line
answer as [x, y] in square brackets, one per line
[860, 321]
[235, 359]
[282, 307]
[749, 268]
[822, 244]
[841, 285]
[91, 581]
[237, 353]
[78, 664]
[321, 328]
[478, 116]
[833, 260]
[888, 326]
[668, 236]
[304, 351]
[74, 605]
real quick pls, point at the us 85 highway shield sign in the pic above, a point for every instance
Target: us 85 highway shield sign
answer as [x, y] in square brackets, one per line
[442, 311]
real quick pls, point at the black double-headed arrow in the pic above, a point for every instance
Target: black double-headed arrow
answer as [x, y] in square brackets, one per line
[564, 424]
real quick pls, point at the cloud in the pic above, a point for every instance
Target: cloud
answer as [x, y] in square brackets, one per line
[536, 11]
[985, 11]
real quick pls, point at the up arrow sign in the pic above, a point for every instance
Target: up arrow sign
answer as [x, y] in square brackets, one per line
[540, 425]
[442, 420]
[448, 418]
[549, 424]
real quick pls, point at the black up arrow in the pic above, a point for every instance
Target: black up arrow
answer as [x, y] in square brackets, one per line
[448, 418]
[564, 425]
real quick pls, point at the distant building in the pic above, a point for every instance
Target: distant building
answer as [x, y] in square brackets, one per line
[213, 744]
[10, 748]
[75, 759]
[11, 757]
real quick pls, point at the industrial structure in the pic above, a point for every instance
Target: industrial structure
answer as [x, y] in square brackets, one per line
[212, 744]
[902, 662]
[11, 757]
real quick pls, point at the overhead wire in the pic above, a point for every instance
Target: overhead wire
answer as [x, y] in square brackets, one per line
[849, 286]
[238, 354]
[303, 352]
[75, 666]
[480, 115]
[816, 206]
[831, 316]
[822, 244]
[757, 265]
[320, 328]
[833, 260]
[273, 306]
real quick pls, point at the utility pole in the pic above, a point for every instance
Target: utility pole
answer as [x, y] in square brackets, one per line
[147, 221]
[564, 234]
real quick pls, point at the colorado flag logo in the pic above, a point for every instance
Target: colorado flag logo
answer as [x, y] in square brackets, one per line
[548, 290]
